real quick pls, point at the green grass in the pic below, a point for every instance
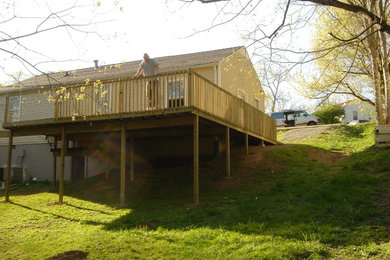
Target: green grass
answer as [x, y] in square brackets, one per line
[293, 204]
[347, 138]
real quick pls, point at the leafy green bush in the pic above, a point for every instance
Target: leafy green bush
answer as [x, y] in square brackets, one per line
[330, 113]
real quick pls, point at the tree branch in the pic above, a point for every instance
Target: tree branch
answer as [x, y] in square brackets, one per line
[354, 9]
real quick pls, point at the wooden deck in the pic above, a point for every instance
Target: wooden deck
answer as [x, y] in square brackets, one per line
[167, 93]
[169, 101]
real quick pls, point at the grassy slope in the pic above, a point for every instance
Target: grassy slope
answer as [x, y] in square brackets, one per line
[289, 202]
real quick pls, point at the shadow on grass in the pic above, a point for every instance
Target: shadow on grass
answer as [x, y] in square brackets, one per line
[56, 215]
[300, 197]
[307, 200]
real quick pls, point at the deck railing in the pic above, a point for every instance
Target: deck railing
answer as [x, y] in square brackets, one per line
[94, 99]
[163, 93]
[224, 106]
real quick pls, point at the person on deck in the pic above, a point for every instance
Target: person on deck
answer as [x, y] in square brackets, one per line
[150, 67]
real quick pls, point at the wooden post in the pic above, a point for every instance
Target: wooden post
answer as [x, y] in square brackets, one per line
[54, 163]
[9, 165]
[196, 159]
[131, 157]
[123, 165]
[86, 167]
[246, 144]
[105, 149]
[120, 97]
[190, 90]
[6, 112]
[56, 107]
[62, 165]
[227, 138]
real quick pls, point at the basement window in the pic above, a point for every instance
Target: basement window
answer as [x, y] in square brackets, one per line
[14, 108]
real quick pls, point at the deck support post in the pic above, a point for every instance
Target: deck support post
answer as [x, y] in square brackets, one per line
[54, 163]
[227, 138]
[106, 174]
[62, 165]
[131, 158]
[123, 165]
[196, 159]
[9, 165]
[246, 144]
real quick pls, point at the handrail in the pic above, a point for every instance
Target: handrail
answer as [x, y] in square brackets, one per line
[223, 105]
[157, 94]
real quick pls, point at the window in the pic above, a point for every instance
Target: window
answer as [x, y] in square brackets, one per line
[14, 108]
[257, 103]
[242, 95]
[301, 113]
[277, 115]
[355, 115]
[176, 93]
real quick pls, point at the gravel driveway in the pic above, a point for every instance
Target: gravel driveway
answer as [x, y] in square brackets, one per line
[302, 133]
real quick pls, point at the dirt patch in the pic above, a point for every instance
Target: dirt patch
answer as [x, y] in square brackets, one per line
[70, 255]
[300, 134]
[326, 157]
[384, 200]
[55, 203]
[243, 173]
[146, 224]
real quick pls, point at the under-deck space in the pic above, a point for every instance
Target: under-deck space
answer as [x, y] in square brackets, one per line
[177, 114]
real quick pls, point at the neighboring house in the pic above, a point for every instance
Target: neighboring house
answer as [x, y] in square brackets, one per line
[357, 110]
[100, 113]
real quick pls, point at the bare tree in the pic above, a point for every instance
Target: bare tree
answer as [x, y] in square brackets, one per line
[291, 16]
[17, 29]
[273, 79]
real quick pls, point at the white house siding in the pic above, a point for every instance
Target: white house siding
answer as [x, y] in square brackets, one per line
[361, 110]
[36, 106]
[2, 111]
[37, 156]
[33, 106]
[37, 160]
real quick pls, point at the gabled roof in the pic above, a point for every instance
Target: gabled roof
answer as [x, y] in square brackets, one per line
[125, 69]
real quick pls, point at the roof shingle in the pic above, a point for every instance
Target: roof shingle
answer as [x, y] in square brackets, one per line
[125, 69]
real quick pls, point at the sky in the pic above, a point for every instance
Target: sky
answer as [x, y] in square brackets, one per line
[124, 30]
[119, 31]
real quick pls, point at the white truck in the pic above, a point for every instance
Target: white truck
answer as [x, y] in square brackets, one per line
[295, 118]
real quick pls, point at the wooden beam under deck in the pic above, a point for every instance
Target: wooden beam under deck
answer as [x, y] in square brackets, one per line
[4, 133]
[9, 161]
[239, 129]
[196, 159]
[107, 126]
[227, 138]
[62, 165]
[123, 166]
[54, 164]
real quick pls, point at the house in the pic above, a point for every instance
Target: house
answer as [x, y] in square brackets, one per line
[357, 110]
[98, 119]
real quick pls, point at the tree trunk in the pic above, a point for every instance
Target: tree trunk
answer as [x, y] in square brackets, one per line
[373, 47]
[385, 66]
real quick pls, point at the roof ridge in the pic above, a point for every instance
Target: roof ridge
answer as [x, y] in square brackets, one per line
[171, 62]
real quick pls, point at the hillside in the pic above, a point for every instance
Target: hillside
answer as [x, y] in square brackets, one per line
[317, 199]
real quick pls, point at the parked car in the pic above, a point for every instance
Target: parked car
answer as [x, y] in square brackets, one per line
[295, 118]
